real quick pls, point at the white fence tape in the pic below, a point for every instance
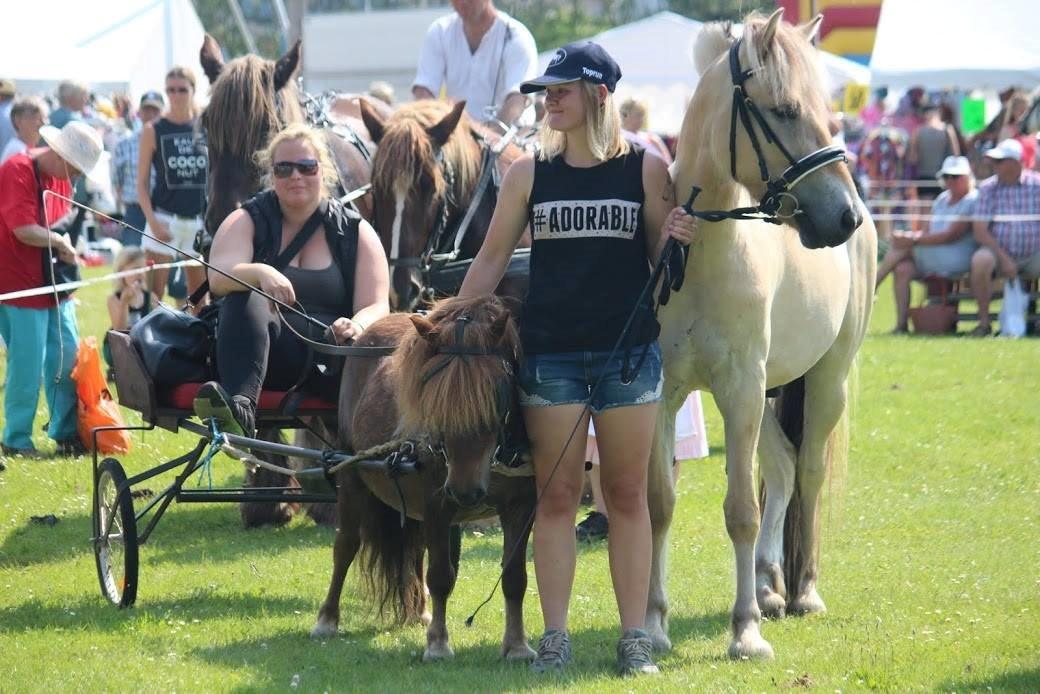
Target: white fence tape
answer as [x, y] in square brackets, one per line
[66, 286]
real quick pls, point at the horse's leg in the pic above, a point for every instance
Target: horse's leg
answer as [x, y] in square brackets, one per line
[661, 501]
[825, 395]
[440, 579]
[259, 513]
[345, 548]
[740, 395]
[776, 458]
[515, 513]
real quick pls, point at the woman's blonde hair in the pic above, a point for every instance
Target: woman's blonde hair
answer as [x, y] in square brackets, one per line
[179, 72]
[632, 105]
[128, 255]
[602, 128]
[316, 139]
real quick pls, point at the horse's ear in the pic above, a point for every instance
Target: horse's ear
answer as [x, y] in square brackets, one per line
[373, 121]
[810, 28]
[212, 58]
[442, 130]
[769, 33]
[422, 325]
[286, 66]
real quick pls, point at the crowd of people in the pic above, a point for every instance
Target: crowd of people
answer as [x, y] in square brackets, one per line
[592, 152]
[971, 206]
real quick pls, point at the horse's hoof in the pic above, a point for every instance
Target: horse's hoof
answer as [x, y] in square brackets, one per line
[807, 603]
[518, 652]
[437, 652]
[324, 629]
[771, 603]
[750, 646]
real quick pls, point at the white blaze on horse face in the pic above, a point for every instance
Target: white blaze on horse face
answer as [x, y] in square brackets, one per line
[395, 230]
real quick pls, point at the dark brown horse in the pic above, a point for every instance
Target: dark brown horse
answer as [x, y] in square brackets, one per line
[424, 177]
[251, 99]
[449, 386]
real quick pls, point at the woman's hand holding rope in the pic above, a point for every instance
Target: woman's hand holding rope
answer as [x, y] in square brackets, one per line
[346, 329]
[277, 285]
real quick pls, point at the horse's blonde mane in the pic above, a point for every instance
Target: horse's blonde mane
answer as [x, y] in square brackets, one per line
[455, 395]
[242, 114]
[406, 153]
[712, 41]
[789, 70]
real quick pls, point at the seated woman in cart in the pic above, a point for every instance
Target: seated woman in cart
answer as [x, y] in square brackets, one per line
[338, 274]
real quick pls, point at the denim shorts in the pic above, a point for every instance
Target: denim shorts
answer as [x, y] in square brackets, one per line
[565, 378]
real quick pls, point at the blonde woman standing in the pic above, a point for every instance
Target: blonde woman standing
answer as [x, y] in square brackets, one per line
[599, 212]
[172, 149]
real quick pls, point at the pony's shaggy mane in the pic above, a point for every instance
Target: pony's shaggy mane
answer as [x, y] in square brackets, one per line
[461, 397]
[243, 113]
[406, 155]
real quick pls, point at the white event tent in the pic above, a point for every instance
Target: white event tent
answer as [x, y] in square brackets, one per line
[962, 44]
[656, 59]
[115, 45]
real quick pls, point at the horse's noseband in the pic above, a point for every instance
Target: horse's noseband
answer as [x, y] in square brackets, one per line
[777, 189]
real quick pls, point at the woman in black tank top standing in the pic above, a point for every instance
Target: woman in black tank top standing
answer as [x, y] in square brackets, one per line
[599, 211]
[173, 208]
[338, 275]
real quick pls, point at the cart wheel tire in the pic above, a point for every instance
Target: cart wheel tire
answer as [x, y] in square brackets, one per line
[115, 553]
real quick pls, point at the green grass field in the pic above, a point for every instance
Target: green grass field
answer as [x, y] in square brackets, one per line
[929, 566]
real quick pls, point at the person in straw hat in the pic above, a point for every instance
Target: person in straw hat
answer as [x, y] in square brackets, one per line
[40, 331]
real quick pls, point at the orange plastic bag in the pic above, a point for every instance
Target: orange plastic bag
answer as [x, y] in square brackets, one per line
[96, 407]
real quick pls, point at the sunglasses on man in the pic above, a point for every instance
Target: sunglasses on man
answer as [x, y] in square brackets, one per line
[306, 167]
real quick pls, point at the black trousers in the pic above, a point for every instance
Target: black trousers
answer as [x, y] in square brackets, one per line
[256, 350]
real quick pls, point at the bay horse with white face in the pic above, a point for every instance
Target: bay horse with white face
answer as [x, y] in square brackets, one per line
[764, 306]
[425, 176]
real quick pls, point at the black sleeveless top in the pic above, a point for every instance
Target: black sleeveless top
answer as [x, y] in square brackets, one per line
[341, 227]
[180, 162]
[588, 256]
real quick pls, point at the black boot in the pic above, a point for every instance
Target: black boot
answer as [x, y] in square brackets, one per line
[234, 415]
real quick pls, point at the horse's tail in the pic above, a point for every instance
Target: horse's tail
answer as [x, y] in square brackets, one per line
[790, 413]
[392, 560]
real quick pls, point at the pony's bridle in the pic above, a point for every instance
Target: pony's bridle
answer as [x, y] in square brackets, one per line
[507, 449]
[777, 189]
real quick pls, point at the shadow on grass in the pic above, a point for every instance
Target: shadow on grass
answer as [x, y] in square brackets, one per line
[100, 615]
[372, 657]
[1019, 681]
[181, 537]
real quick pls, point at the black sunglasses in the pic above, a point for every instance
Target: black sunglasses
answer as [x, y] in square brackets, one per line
[284, 169]
[947, 177]
[177, 90]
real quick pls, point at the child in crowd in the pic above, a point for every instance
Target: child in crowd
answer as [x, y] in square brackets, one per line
[131, 300]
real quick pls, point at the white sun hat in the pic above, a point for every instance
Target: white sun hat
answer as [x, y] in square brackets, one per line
[954, 166]
[79, 145]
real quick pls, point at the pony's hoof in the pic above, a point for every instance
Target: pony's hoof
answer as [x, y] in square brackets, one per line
[771, 603]
[518, 652]
[750, 646]
[660, 641]
[807, 603]
[435, 652]
[324, 629]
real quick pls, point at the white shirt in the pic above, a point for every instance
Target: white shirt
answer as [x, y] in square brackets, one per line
[14, 146]
[505, 57]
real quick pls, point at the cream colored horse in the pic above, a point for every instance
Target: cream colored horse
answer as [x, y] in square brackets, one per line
[763, 306]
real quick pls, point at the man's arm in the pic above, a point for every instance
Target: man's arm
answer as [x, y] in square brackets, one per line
[520, 59]
[430, 74]
[37, 236]
[420, 92]
[512, 107]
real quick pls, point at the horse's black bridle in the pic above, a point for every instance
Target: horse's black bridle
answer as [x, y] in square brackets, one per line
[777, 188]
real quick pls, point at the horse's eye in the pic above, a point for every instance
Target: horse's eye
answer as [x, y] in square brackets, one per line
[785, 111]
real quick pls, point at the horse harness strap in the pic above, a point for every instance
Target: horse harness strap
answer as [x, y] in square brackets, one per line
[778, 188]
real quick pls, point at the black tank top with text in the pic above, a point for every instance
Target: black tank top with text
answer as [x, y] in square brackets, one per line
[180, 162]
[588, 256]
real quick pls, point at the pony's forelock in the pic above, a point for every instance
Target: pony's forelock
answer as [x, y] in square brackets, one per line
[789, 69]
[455, 395]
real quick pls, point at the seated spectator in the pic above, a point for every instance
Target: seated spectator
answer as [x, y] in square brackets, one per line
[340, 277]
[28, 115]
[1009, 244]
[633, 128]
[132, 300]
[945, 247]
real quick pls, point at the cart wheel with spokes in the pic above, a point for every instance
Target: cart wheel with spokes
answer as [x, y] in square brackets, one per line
[115, 534]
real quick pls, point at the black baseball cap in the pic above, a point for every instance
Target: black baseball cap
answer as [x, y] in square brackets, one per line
[583, 60]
